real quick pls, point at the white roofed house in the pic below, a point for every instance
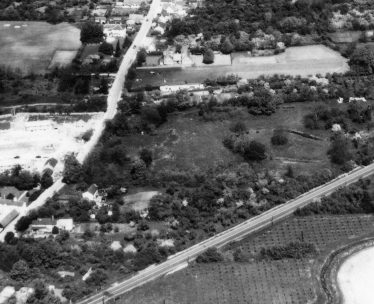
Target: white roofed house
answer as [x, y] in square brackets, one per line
[129, 4]
[92, 194]
[137, 18]
[114, 31]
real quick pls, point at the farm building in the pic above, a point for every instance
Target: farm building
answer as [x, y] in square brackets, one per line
[168, 89]
[45, 225]
[8, 217]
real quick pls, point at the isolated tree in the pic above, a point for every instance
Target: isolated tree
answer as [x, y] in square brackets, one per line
[118, 50]
[91, 33]
[73, 171]
[146, 156]
[104, 86]
[141, 57]
[55, 230]
[23, 223]
[254, 150]
[340, 151]
[106, 48]
[227, 47]
[46, 180]
[238, 127]
[279, 138]
[208, 57]
[10, 238]
[127, 42]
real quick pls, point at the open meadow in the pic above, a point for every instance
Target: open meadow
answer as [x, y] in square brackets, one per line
[188, 142]
[31, 46]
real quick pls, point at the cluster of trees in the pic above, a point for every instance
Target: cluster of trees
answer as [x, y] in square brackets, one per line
[323, 116]
[230, 17]
[19, 178]
[92, 32]
[251, 150]
[27, 10]
[354, 199]
[293, 250]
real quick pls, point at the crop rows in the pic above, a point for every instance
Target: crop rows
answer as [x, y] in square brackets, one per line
[258, 282]
[320, 230]
[275, 282]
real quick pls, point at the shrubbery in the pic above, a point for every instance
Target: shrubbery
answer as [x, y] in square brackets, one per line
[211, 255]
[354, 199]
[279, 138]
[294, 250]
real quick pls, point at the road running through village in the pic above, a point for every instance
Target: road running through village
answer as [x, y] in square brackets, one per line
[113, 97]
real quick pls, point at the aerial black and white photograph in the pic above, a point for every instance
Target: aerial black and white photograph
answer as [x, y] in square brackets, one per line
[186, 152]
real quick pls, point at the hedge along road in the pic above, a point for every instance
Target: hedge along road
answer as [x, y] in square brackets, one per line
[113, 97]
[235, 233]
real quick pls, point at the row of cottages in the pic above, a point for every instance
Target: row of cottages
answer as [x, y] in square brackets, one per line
[42, 226]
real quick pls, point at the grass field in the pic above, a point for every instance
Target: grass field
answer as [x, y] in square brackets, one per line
[304, 61]
[258, 282]
[187, 142]
[30, 46]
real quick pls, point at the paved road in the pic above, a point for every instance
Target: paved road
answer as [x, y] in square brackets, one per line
[235, 233]
[113, 97]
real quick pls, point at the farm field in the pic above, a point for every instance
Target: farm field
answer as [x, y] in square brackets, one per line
[259, 281]
[303, 61]
[187, 142]
[30, 46]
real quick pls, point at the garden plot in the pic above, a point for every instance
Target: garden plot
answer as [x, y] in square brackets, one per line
[62, 59]
[30, 46]
[31, 142]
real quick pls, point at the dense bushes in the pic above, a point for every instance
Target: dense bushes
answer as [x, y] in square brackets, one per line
[21, 179]
[92, 33]
[294, 250]
[249, 149]
[354, 199]
[279, 138]
[211, 255]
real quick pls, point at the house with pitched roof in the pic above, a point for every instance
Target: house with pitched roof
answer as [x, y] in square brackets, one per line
[92, 194]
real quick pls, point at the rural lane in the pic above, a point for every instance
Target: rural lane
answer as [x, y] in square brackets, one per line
[235, 233]
[114, 96]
